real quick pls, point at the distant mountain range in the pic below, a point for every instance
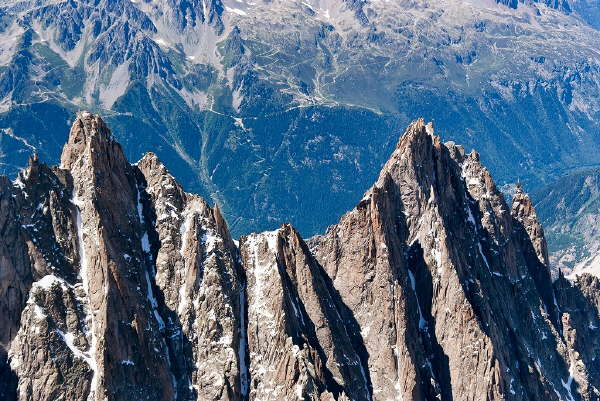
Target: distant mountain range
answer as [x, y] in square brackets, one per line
[286, 110]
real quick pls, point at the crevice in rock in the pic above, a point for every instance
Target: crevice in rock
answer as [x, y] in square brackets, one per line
[8, 378]
[352, 328]
[438, 372]
[306, 333]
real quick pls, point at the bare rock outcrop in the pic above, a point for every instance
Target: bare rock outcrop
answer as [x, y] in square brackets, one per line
[116, 284]
[434, 223]
[298, 341]
[91, 303]
[523, 211]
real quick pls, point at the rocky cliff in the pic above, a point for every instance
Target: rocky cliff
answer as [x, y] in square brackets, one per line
[115, 284]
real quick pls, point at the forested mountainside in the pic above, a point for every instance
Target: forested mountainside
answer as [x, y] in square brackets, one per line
[271, 107]
[570, 210]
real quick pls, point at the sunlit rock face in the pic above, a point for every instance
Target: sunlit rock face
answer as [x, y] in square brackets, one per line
[116, 284]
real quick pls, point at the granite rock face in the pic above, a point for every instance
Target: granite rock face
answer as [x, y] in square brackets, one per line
[116, 284]
[299, 344]
[311, 92]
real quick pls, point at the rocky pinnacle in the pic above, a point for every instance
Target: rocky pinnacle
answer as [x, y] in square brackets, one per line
[116, 284]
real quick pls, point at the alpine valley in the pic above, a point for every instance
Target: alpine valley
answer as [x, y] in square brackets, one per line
[116, 284]
[271, 107]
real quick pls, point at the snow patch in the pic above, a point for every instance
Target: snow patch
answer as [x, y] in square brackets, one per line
[413, 285]
[48, 281]
[567, 384]
[235, 11]
[85, 283]
[161, 42]
[68, 338]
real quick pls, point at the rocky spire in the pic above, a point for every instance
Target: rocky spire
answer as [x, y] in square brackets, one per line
[295, 324]
[432, 243]
[89, 134]
[199, 277]
[116, 284]
[524, 212]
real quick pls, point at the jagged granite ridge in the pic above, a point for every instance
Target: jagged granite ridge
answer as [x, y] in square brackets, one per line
[115, 283]
[127, 337]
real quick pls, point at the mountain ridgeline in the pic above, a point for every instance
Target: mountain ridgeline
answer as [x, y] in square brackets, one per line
[116, 284]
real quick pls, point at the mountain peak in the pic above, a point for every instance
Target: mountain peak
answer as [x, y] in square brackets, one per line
[88, 133]
[127, 285]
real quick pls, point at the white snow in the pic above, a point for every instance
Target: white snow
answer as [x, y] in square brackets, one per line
[19, 183]
[140, 210]
[146, 243]
[483, 255]
[85, 283]
[422, 321]
[431, 195]
[39, 312]
[161, 42]
[153, 303]
[68, 339]
[295, 307]
[210, 239]
[184, 229]
[437, 256]
[470, 218]
[235, 11]
[429, 129]
[364, 331]
[48, 281]
[567, 384]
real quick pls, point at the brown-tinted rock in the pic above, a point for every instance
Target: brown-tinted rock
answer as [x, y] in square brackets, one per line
[200, 278]
[434, 222]
[298, 341]
[522, 210]
[116, 284]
